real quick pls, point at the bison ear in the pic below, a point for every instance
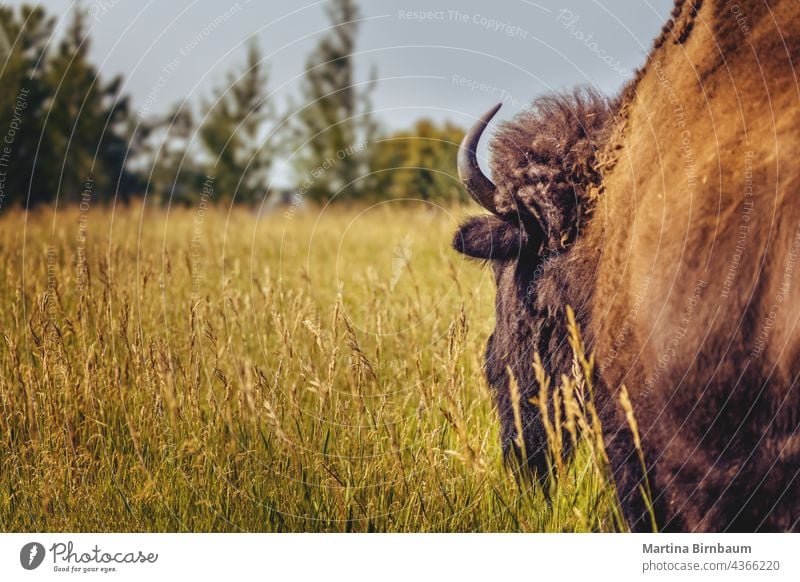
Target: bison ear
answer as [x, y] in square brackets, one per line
[488, 237]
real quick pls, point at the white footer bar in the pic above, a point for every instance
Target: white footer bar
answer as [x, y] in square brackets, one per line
[401, 557]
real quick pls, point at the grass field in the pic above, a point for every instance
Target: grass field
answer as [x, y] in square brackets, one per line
[195, 370]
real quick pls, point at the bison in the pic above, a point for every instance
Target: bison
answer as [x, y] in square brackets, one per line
[668, 219]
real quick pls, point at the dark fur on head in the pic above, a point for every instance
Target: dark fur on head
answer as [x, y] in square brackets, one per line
[487, 237]
[544, 161]
[544, 166]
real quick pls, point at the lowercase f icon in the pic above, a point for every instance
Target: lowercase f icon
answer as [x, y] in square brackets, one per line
[31, 555]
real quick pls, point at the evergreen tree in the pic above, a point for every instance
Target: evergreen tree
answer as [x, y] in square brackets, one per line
[86, 125]
[333, 131]
[171, 173]
[23, 50]
[232, 133]
[62, 124]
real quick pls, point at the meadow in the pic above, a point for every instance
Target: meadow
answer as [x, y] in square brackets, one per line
[207, 369]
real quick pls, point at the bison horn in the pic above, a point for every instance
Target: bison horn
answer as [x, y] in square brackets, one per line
[469, 172]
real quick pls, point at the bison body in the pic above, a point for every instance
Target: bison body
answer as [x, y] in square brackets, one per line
[669, 220]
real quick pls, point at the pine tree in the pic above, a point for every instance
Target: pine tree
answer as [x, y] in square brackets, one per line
[65, 125]
[86, 124]
[23, 46]
[171, 173]
[333, 130]
[232, 133]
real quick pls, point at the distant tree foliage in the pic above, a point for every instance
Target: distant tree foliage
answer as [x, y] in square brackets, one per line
[418, 164]
[64, 127]
[333, 127]
[170, 171]
[66, 131]
[232, 134]
[23, 98]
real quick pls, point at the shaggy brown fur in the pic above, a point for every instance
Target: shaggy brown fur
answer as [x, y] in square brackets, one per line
[699, 225]
[544, 161]
[684, 272]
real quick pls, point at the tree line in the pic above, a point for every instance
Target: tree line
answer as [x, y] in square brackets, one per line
[63, 128]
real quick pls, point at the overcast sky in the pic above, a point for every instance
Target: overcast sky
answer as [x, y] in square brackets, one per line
[445, 59]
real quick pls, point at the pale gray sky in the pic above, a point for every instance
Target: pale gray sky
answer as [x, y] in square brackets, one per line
[445, 59]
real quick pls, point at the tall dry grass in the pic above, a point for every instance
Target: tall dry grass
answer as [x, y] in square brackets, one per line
[179, 371]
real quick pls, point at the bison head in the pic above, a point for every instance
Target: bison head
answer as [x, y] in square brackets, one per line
[544, 164]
